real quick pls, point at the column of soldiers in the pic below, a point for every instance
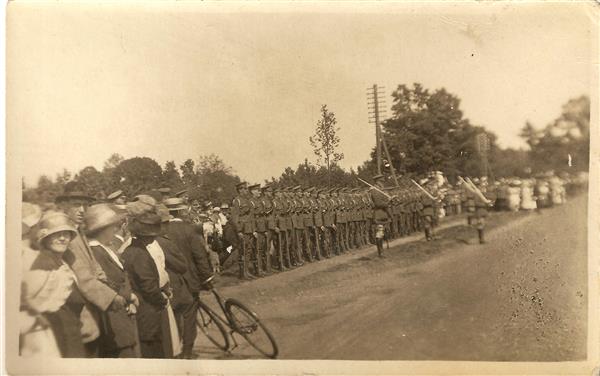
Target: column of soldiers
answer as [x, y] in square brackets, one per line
[282, 228]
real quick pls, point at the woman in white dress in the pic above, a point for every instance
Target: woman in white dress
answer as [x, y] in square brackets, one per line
[527, 199]
[514, 195]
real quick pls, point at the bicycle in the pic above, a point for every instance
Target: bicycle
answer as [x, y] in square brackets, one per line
[239, 319]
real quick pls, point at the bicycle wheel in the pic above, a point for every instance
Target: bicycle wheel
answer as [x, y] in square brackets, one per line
[247, 323]
[208, 323]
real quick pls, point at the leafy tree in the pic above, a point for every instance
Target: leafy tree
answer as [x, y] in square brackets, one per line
[188, 173]
[568, 135]
[170, 176]
[427, 132]
[216, 179]
[113, 161]
[325, 141]
[63, 177]
[93, 181]
[138, 174]
[212, 163]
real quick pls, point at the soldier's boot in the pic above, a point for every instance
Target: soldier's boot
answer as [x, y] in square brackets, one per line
[346, 235]
[280, 253]
[243, 262]
[365, 234]
[427, 234]
[318, 245]
[268, 263]
[380, 247]
[327, 243]
[289, 250]
[299, 258]
[308, 246]
[258, 263]
[481, 236]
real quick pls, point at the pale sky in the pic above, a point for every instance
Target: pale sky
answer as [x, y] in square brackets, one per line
[176, 81]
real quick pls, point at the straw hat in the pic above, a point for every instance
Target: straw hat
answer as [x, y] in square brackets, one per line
[53, 222]
[100, 216]
[175, 204]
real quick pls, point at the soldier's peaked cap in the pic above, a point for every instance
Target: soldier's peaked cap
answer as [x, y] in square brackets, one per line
[254, 186]
[115, 195]
[267, 187]
[309, 189]
[242, 184]
[297, 188]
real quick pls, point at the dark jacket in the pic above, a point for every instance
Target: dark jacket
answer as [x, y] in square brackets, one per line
[65, 322]
[176, 266]
[192, 246]
[119, 329]
[143, 277]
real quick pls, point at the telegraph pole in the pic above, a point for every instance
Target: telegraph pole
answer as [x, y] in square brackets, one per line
[373, 103]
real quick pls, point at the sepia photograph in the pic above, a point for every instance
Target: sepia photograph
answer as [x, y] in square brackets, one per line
[302, 188]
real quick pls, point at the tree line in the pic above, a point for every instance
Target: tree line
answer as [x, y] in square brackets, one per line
[427, 131]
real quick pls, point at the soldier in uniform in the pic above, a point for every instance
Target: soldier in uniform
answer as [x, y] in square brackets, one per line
[349, 213]
[272, 230]
[329, 221]
[308, 223]
[280, 214]
[317, 222]
[340, 221]
[381, 211]
[260, 229]
[367, 215]
[291, 220]
[477, 211]
[326, 223]
[241, 215]
[298, 222]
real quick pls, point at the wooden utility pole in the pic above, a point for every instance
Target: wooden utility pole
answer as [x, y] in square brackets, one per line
[373, 103]
[389, 158]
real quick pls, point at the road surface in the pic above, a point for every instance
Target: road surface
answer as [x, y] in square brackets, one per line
[520, 297]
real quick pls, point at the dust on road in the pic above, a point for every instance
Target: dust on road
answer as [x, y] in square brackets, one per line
[520, 297]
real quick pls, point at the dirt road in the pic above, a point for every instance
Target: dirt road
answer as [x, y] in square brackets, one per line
[520, 297]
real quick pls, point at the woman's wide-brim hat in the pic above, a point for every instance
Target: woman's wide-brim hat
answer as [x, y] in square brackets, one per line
[146, 224]
[73, 191]
[101, 216]
[53, 222]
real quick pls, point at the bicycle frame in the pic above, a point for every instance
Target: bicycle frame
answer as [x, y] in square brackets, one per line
[227, 319]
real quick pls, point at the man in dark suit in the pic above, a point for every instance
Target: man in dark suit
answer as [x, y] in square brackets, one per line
[176, 266]
[192, 245]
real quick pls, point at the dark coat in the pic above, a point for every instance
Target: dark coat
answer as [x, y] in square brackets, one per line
[119, 329]
[192, 246]
[176, 266]
[143, 277]
[65, 322]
